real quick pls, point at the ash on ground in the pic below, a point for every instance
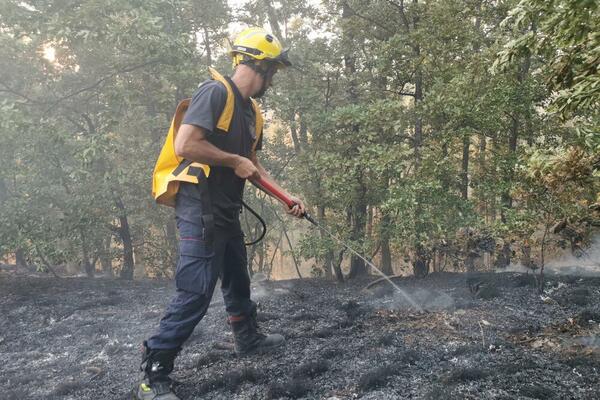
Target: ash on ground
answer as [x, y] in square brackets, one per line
[488, 336]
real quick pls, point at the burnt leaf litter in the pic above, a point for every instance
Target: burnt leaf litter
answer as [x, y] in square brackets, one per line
[483, 336]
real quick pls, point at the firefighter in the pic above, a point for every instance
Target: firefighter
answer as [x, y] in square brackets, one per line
[210, 152]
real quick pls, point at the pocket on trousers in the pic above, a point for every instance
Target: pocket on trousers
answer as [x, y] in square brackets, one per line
[194, 267]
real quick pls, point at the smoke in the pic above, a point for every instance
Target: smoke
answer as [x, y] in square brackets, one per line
[588, 265]
[259, 291]
[263, 288]
[431, 300]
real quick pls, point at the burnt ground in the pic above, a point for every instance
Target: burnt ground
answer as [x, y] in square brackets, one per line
[492, 337]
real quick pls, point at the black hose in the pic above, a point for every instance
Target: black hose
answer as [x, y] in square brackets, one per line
[262, 222]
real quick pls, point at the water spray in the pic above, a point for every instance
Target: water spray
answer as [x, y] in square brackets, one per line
[269, 188]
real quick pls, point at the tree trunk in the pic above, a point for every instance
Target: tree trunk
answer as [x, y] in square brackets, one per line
[337, 266]
[139, 258]
[482, 197]
[513, 140]
[418, 137]
[359, 219]
[445, 178]
[125, 235]
[273, 20]
[540, 281]
[529, 130]
[359, 209]
[274, 253]
[464, 187]
[250, 257]
[421, 265]
[328, 262]
[3, 190]
[349, 58]
[421, 262]
[105, 258]
[296, 265]
[370, 222]
[303, 133]
[493, 200]
[386, 254]
[294, 134]
[46, 263]
[418, 71]
[328, 265]
[20, 259]
[386, 257]
[512, 149]
[470, 262]
[87, 267]
[261, 258]
[504, 256]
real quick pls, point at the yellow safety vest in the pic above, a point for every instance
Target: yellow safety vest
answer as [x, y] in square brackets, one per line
[166, 177]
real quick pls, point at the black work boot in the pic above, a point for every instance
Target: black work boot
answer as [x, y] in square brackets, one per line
[246, 337]
[156, 365]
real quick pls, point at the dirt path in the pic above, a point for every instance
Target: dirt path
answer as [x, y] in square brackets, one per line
[492, 338]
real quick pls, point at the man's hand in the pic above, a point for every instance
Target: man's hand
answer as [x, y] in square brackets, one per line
[245, 169]
[298, 210]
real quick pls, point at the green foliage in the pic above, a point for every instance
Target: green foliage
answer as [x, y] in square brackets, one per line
[84, 128]
[404, 123]
[565, 34]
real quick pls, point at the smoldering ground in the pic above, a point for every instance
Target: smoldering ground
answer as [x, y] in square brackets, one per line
[586, 263]
[80, 338]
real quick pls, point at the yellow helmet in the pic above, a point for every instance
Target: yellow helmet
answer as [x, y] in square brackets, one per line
[258, 44]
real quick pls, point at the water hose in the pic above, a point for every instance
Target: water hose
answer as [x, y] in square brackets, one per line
[262, 222]
[269, 188]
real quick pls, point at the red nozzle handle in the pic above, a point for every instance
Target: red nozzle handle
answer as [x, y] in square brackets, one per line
[271, 189]
[289, 202]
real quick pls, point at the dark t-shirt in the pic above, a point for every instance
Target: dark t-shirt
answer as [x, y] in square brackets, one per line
[226, 189]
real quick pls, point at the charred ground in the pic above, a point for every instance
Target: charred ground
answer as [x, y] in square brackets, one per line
[487, 336]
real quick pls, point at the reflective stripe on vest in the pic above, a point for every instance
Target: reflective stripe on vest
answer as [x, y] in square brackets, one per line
[171, 169]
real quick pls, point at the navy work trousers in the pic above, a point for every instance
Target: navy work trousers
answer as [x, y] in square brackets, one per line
[200, 264]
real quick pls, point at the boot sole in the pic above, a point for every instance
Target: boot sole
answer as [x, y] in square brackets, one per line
[134, 394]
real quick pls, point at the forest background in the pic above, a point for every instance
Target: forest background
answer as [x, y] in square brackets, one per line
[431, 135]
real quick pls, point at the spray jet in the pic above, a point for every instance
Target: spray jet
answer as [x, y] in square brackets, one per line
[270, 189]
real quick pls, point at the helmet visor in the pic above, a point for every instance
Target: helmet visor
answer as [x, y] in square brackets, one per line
[282, 59]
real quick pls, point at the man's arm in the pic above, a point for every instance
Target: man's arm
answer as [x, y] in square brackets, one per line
[191, 144]
[298, 210]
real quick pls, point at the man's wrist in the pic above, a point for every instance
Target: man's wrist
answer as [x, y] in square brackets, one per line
[233, 161]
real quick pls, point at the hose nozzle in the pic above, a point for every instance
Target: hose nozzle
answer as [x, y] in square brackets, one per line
[309, 218]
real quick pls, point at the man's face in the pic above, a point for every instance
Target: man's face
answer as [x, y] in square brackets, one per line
[266, 80]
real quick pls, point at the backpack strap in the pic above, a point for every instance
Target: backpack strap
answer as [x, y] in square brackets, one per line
[225, 119]
[259, 123]
[171, 169]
